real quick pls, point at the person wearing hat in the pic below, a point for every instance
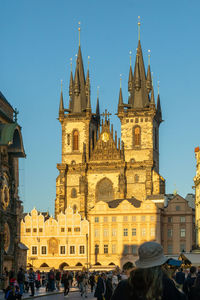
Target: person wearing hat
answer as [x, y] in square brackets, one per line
[149, 280]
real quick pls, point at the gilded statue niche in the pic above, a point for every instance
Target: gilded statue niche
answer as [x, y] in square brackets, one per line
[104, 190]
[53, 246]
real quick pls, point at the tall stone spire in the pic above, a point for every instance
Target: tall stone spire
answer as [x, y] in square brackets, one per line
[140, 93]
[78, 92]
[120, 102]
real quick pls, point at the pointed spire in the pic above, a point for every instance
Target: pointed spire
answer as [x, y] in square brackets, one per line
[158, 108]
[97, 106]
[71, 81]
[149, 82]
[87, 85]
[130, 80]
[61, 108]
[137, 80]
[120, 103]
[76, 83]
[152, 101]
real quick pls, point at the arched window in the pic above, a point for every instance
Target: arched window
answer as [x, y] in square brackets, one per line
[75, 140]
[104, 190]
[136, 136]
[73, 193]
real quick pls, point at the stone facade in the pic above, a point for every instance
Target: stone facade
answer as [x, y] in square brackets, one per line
[11, 148]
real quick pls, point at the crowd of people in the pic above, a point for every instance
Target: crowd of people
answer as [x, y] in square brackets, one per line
[151, 278]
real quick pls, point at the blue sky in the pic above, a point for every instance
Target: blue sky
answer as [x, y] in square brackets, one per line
[38, 38]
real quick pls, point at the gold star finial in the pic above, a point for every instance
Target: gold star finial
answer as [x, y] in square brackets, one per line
[120, 81]
[139, 28]
[79, 32]
[149, 55]
[130, 53]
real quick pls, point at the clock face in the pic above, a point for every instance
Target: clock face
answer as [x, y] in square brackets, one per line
[105, 137]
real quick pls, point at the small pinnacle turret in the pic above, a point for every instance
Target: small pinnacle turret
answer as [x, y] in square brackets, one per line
[158, 110]
[61, 107]
[71, 84]
[149, 81]
[120, 103]
[137, 80]
[152, 100]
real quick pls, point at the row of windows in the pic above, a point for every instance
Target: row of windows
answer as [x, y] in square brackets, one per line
[182, 233]
[182, 219]
[170, 248]
[125, 232]
[125, 219]
[62, 229]
[72, 250]
[128, 249]
[136, 138]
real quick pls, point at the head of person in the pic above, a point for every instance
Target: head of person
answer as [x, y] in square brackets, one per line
[146, 279]
[128, 267]
[193, 270]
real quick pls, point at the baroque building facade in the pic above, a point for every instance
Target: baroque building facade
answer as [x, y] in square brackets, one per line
[12, 252]
[114, 183]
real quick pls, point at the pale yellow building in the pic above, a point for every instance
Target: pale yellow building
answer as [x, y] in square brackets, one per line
[55, 243]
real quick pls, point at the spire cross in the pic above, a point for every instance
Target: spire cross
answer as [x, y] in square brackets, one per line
[149, 55]
[106, 114]
[120, 81]
[139, 28]
[79, 30]
[88, 62]
[16, 112]
[130, 52]
[98, 92]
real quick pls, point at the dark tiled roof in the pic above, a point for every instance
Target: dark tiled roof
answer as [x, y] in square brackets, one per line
[116, 202]
[4, 99]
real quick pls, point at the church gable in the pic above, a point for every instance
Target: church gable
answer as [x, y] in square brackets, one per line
[106, 147]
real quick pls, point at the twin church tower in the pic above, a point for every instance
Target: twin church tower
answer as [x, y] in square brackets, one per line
[96, 165]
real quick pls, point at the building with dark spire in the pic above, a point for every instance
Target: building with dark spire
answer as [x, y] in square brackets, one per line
[114, 183]
[12, 252]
